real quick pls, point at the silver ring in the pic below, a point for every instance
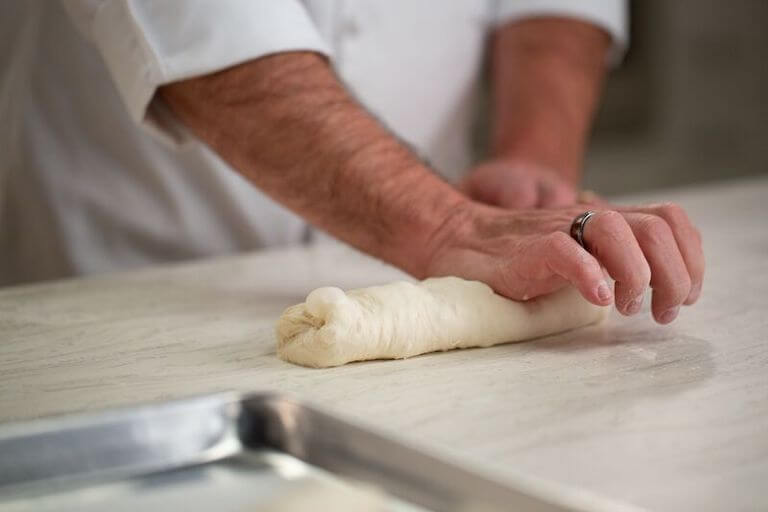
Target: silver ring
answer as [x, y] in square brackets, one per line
[577, 227]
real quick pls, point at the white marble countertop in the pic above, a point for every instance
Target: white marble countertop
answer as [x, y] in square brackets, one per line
[665, 418]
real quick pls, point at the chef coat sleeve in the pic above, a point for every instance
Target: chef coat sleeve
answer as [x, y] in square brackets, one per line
[149, 43]
[610, 15]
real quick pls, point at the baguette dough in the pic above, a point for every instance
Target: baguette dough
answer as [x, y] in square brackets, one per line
[404, 319]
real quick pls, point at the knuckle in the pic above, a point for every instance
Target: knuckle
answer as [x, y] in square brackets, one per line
[637, 280]
[609, 230]
[509, 284]
[564, 254]
[561, 252]
[641, 278]
[608, 218]
[678, 220]
[679, 289]
[672, 211]
[673, 290]
[609, 224]
[559, 243]
[653, 230]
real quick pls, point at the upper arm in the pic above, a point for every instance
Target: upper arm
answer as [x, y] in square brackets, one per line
[149, 43]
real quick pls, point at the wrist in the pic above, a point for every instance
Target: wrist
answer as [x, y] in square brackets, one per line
[453, 231]
[546, 116]
[543, 124]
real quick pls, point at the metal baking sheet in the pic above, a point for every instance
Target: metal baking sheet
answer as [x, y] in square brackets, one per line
[261, 452]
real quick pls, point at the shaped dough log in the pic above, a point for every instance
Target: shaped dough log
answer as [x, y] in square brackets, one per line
[404, 319]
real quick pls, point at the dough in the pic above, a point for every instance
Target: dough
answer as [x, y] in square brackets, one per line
[404, 319]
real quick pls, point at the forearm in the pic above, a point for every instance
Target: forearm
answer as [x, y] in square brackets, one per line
[547, 75]
[288, 125]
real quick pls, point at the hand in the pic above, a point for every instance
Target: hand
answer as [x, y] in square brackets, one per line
[516, 184]
[524, 254]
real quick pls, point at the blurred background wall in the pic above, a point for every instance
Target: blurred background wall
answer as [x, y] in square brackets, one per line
[689, 103]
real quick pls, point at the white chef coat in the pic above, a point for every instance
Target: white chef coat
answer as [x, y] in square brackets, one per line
[95, 173]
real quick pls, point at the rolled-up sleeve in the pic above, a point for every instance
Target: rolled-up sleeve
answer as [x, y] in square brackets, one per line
[610, 15]
[149, 43]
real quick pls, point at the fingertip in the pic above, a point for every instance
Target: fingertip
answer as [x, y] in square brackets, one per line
[633, 306]
[599, 295]
[594, 281]
[604, 294]
[694, 294]
[667, 316]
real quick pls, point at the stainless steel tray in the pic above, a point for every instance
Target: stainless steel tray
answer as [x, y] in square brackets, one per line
[231, 452]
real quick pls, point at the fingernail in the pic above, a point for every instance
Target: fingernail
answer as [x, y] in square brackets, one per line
[604, 292]
[634, 305]
[669, 315]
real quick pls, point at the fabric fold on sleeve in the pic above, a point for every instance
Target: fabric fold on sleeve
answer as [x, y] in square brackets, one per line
[148, 43]
[610, 15]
